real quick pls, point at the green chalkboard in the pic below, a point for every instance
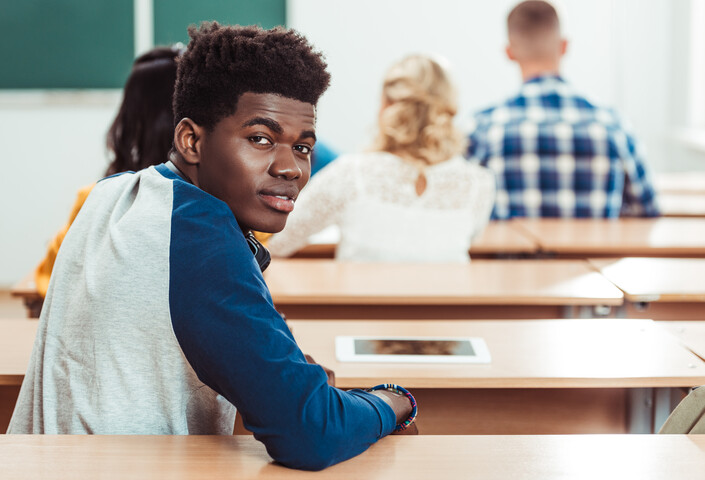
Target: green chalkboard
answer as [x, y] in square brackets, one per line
[70, 44]
[172, 17]
[56, 44]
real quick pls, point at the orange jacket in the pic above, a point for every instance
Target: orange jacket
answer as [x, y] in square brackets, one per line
[43, 272]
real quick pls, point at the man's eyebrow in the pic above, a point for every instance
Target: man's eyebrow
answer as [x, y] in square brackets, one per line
[274, 126]
[267, 122]
[307, 134]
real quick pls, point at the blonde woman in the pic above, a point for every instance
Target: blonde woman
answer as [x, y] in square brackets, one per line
[413, 198]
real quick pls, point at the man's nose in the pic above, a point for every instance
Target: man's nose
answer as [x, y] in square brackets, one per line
[285, 164]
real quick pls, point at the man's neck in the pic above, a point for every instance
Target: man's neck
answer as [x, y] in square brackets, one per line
[531, 70]
[185, 171]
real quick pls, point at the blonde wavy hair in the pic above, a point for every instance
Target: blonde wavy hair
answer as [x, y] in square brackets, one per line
[419, 103]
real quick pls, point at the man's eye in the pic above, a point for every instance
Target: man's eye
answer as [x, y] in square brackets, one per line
[305, 149]
[259, 140]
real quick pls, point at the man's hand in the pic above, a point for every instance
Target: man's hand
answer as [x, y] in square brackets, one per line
[402, 409]
[329, 372]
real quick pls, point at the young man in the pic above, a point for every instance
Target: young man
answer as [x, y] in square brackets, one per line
[157, 319]
[553, 152]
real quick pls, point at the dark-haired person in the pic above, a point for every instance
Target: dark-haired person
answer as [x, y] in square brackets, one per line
[141, 134]
[157, 319]
[553, 152]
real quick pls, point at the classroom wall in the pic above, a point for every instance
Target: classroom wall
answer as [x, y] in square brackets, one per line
[621, 53]
[53, 145]
[628, 53]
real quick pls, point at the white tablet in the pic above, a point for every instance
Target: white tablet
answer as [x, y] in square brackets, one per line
[412, 349]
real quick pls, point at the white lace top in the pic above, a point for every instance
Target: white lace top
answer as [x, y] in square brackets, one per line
[372, 198]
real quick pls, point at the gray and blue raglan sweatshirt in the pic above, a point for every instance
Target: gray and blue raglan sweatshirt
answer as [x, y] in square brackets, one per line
[158, 321]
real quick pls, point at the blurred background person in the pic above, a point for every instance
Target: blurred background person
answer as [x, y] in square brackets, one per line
[554, 153]
[141, 135]
[413, 197]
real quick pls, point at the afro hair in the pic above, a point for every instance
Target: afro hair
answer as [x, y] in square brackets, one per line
[223, 62]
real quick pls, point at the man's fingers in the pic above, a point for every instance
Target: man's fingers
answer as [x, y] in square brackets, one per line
[331, 376]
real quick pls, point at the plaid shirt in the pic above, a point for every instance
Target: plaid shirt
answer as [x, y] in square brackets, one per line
[555, 154]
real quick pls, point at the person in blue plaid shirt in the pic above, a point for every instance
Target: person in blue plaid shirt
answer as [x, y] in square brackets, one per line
[553, 152]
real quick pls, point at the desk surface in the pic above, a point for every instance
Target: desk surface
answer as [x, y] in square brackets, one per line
[545, 377]
[656, 279]
[592, 353]
[682, 204]
[480, 282]
[499, 237]
[525, 354]
[543, 457]
[680, 182]
[25, 287]
[16, 341]
[691, 334]
[618, 237]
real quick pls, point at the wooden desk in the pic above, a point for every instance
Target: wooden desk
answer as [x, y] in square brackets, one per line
[690, 334]
[642, 237]
[27, 291]
[480, 289]
[545, 457]
[546, 376]
[322, 244]
[682, 204]
[680, 182]
[658, 288]
[500, 238]
[16, 341]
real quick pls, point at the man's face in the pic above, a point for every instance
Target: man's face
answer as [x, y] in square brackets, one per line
[258, 159]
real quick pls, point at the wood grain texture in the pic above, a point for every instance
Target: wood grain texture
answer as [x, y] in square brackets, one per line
[670, 280]
[498, 238]
[691, 334]
[544, 457]
[617, 237]
[590, 353]
[16, 342]
[480, 282]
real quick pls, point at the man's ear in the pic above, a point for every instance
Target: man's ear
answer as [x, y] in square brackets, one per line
[188, 137]
[564, 46]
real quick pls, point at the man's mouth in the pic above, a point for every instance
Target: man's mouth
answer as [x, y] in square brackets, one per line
[281, 203]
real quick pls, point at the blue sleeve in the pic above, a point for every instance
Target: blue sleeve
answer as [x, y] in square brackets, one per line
[475, 132]
[240, 346]
[471, 151]
[639, 196]
[477, 152]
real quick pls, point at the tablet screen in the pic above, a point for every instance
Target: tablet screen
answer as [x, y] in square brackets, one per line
[413, 347]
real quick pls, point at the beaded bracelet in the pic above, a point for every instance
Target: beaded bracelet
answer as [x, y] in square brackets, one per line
[401, 391]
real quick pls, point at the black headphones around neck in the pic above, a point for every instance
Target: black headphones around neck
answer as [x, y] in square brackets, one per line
[259, 251]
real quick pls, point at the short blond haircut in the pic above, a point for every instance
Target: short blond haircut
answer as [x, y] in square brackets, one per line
[420, 102]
